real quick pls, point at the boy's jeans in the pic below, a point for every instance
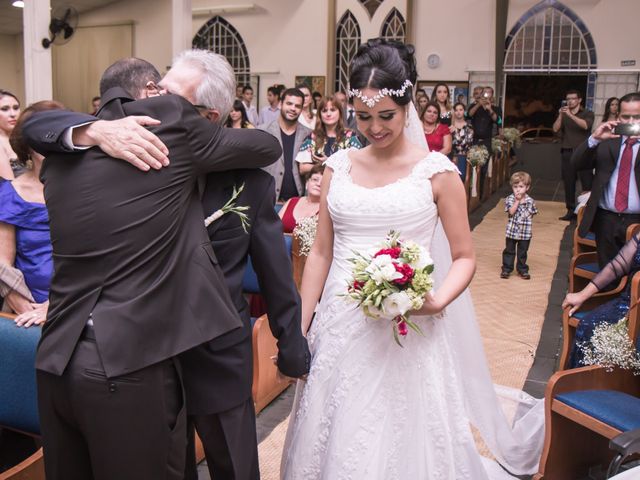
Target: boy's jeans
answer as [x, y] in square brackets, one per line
[513, 249]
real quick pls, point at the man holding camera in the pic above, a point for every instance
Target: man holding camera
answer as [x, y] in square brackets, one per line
[614, 203]
[574, 124]
[484, 114]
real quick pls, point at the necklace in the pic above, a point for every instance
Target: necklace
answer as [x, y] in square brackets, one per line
[430, 131]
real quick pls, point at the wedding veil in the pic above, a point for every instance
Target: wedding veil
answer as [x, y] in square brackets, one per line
[516, 444]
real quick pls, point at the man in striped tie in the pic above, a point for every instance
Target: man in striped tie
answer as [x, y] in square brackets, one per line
[615, 199]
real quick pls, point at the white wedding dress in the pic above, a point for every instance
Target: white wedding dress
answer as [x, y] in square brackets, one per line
[370, 409]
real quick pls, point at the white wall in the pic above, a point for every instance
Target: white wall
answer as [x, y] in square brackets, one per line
[12, 61]
[151, 25]
[466, 44]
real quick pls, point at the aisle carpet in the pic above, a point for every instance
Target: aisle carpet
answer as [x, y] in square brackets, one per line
[510, 312]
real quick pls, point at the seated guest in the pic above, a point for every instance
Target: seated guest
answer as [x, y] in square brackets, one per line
[297, 208]
[437, 133]
[238, 117]
[25, 256]
[329, 136]
[626, 262]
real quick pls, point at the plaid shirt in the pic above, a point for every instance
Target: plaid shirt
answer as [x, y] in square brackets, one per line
[519, 224]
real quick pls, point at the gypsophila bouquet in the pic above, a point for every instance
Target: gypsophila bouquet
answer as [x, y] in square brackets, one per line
[512, 135]
[477, 155]
[390, 281]
[305, 232]
[497, 144]
[610, 346]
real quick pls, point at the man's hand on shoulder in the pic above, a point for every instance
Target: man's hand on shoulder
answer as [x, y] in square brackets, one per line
[126, 139]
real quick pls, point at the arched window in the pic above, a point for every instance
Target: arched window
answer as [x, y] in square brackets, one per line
[219, 36]
[550, 37]
[347, 43]
[394, 26]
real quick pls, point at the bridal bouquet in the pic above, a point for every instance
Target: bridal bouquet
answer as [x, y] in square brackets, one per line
[391, 280]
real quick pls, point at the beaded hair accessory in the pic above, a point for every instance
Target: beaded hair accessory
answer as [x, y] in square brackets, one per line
[371, 101]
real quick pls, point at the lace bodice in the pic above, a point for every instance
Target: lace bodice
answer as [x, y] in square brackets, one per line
[363, 216]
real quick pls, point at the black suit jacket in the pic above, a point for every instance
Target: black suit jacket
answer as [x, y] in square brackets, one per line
[603, 158]
[218, 375]
[129, 247]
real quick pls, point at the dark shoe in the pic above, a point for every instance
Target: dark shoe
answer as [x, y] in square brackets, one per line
[505, 274]
[524, 275]
[568, 216]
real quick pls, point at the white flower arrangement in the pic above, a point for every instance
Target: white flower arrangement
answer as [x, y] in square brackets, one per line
[497, 144]
[477, 155]
[512, 135]
[231, 207]
[305, 232]
[610, 347]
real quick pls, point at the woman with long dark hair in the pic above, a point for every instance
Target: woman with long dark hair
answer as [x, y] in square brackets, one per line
[369, 408]
[327, 138]
[611, 109]
[437, 133]
[441, 96]
[238, 116]
[9, 113]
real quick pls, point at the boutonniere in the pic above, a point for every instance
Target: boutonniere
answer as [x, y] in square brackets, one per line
[231, 207]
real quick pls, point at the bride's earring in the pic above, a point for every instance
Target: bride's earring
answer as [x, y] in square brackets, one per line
[406, 121]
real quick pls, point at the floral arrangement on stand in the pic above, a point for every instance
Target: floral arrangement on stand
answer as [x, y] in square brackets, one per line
[512, 136]
[391, 280]
[305, 232]
[477, 156]
[610, 347]
[497, 144]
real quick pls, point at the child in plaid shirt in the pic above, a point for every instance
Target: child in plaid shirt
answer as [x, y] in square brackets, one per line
[521, 208]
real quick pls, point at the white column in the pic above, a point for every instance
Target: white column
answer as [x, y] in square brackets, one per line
[38, 77]
[181, 21]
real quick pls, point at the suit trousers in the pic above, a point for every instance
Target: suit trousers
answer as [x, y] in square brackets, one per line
[610, 229]
[230, 444]
[513, 249]
[569, 178]
[131, 427]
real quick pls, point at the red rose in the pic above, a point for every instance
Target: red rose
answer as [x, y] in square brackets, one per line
[406, 271]
[402, 328]
[392, 252]
[357, 285]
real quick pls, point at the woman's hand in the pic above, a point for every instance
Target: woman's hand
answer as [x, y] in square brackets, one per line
[431, 306]
[36, 316]
[574, 300]
[18, 303]
[319, 158]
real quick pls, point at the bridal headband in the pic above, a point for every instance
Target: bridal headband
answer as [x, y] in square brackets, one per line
[371, 101]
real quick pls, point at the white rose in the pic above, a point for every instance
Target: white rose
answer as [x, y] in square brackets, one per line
[423, 260]
[381, 269]
[397, 304]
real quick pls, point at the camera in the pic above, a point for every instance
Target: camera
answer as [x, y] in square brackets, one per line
[563, 103]
[627, 129]
[485, 94]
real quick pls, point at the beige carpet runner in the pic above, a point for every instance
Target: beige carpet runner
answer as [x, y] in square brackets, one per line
[510, 312]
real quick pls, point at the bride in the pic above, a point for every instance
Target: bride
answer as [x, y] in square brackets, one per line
[370, 409]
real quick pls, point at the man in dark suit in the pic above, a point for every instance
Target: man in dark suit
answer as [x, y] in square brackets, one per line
[614, 203]
[136, 283]
[218, 375]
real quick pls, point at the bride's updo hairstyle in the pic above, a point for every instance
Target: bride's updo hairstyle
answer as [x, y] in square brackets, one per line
[381, 63]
